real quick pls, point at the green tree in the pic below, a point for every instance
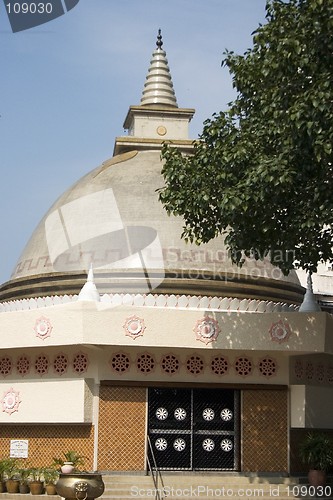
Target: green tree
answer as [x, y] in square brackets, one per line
[261, 173]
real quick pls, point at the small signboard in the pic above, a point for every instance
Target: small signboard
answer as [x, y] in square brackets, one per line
[19, 448]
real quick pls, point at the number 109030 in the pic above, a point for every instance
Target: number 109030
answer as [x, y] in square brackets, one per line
[29, 8]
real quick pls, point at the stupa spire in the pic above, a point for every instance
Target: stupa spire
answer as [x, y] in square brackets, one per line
[89, 291]
[157, 118]
[158, 88]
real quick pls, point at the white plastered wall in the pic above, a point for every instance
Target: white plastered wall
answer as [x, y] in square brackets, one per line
[311, 407]
[49, 401]
[150, 126]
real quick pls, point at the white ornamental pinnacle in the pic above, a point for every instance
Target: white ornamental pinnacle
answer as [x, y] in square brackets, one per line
[158, 88]
[89, 291]
[309, 303]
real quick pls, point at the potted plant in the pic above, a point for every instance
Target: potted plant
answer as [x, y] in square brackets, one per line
[36, 484]
[23, 477]
[2, 476]
[71, 463]
[11, 475]
[51, 476]
[316, 451]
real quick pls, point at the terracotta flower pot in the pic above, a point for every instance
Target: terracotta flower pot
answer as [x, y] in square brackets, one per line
[12, 485]
[317, 477]
[24, 488]
[50, 489]
[36, 487]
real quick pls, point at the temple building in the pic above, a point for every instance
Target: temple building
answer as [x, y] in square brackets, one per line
[115, 333]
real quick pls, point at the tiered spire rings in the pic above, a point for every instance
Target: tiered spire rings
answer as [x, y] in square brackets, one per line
[158, 88]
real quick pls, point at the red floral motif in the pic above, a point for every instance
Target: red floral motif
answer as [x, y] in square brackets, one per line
[134, 327]
[10, 401]
[5, 365]
[220, 365]
[80, 362]
[195, 365]
[206, 329]
[43, 327]
[145, 363]
[170, 364]
[60, 364]
[329, 374]
[42, 364]
[320, 372]
[299, 369]
[267, 366]
[23, 365]
[243, 366]
[309, 370]
[120, 362]
[280, 331]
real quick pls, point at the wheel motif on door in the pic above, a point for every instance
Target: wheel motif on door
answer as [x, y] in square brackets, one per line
[161, 413]
[161, 444]
[208, 444]
[208, 414]
[226, 414]
[180, 414]
[226, 445]
[179, 444]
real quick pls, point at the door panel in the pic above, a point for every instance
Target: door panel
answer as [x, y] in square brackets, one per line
[213, 451]
[170, 409]
[172, 450]
[214, 429]
[194, 428]
[170, 424]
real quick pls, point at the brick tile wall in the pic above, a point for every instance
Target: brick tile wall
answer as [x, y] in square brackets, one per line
[265, 430]
[49, 441]
[122, 422]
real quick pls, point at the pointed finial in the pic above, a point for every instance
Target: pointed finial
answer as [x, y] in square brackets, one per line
[159, 42]
[309, 282]
[309, 303]
[90, 277]
[89, 291]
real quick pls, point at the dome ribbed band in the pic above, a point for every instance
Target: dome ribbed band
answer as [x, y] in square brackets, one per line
[158, 88]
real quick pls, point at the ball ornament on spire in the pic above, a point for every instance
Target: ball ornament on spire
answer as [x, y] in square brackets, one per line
[159, 41]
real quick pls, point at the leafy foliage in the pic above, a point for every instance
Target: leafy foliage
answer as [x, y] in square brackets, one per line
[261, 173]
[71, 456]
[36, 474]
[317, 451]
[51, 475]
[8, 468]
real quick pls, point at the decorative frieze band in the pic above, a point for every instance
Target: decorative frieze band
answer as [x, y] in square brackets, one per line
[227, 304]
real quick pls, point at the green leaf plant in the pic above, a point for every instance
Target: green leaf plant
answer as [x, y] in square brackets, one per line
[261, 171]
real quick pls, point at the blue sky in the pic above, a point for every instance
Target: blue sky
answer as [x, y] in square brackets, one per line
[66, 86]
